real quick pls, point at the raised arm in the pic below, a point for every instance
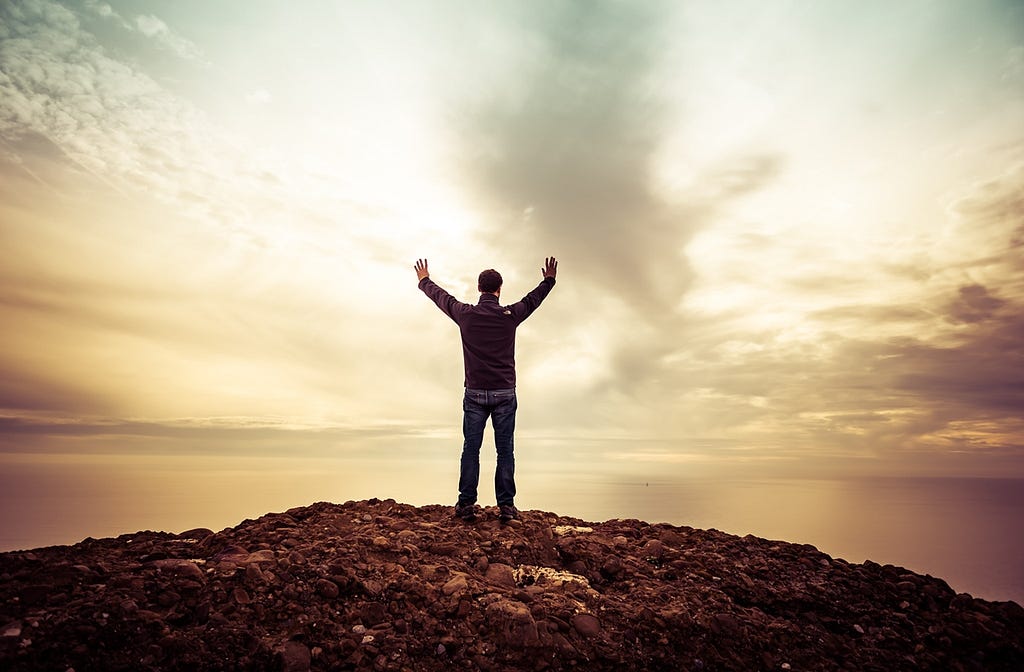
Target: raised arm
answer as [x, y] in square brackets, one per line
[445, 301]
[531, 301]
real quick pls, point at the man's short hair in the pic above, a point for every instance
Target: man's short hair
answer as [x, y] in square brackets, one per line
[490, 281]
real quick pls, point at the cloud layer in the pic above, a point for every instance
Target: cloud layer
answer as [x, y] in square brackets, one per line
[779, 245]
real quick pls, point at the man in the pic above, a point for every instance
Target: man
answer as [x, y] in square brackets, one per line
[488, 352]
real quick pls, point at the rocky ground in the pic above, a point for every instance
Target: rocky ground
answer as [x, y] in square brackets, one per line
[386, 586]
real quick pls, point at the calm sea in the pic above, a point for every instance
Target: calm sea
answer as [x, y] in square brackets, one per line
[967, 531]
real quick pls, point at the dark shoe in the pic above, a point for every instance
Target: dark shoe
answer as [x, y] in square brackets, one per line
[507, 512]
[466, 511]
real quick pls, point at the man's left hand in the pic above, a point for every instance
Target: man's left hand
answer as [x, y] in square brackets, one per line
[550, 267]
[421, 269]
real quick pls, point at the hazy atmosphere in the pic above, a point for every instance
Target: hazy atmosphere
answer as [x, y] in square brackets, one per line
[789, 233]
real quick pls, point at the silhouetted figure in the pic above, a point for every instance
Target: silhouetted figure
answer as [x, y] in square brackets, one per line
[488, 351]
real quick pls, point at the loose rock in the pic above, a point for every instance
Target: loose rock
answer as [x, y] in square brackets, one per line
[455, 586]
[378, 585]
[586, 625]
[295, 657]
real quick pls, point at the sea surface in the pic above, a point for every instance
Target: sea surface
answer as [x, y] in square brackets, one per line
[968, 531]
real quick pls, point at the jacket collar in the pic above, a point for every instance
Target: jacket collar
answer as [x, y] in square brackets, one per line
[487, 298]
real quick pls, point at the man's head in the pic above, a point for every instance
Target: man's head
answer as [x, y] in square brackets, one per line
[489, 281]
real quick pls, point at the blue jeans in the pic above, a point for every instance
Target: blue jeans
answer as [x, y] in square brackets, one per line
[501, 406]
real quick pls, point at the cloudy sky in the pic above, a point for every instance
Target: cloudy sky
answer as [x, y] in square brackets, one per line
[790, 233]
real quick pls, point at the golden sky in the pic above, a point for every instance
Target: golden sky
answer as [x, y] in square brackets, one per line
[790, 233]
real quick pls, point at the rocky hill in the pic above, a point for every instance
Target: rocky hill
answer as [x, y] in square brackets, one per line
[378, 585]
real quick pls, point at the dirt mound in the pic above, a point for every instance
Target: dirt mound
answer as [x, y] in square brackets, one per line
[386, 586]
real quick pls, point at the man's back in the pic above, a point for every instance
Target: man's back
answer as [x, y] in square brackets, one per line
[488, 332]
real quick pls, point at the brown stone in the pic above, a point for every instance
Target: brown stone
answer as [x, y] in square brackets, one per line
[254, 573]
[725, 623]
[295, 657]
[514, 623]
[587, 625]
[182, 568]
[654, 549]
[266, 555]
[168, 598]
[671, 538]
[197, 533]
[613, 567]
[231, 553]
[373, 613]
[456, 585]
[500, 575]
[327, 588]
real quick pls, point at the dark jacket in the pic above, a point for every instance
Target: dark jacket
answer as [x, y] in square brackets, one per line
[488, 332]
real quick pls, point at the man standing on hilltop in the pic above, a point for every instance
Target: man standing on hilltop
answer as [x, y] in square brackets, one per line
[488, 351]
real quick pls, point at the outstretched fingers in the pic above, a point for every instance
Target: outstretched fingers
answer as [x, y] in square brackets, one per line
[550, 267]
[421, 269]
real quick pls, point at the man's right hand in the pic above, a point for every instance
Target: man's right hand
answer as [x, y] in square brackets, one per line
[421, 269]
[550, 267]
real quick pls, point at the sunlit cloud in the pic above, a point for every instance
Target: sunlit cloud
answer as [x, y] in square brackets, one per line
[152, 26]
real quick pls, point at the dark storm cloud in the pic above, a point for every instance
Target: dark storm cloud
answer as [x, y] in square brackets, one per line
[880, 397]
[982, 375]
[974, 304]
[47, 434]
[907, 395]
[561, 160]
[25, 390]
[208, 429]
[574, 152]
